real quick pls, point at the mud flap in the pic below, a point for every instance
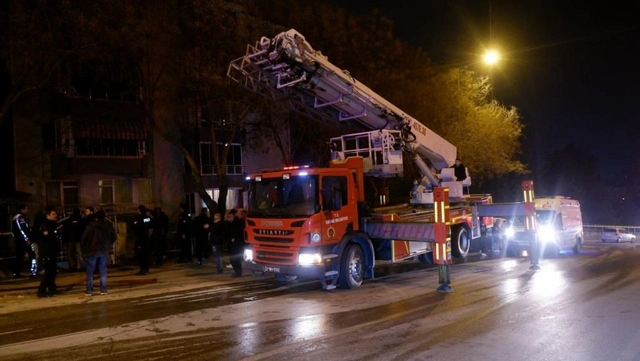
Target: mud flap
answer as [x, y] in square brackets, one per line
[330, 280]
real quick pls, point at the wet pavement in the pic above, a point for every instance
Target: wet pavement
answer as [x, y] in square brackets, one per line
[574, 308]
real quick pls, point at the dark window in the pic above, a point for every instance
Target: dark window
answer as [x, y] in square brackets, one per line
[109, 147]
[234, 159]
[335, 188]
[49, 136]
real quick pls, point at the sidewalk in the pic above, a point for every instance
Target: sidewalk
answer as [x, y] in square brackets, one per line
[122, 283]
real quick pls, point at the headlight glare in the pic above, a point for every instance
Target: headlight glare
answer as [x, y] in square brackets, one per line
[248, 255]
[509, 232]
[309, 258]
[546, 234]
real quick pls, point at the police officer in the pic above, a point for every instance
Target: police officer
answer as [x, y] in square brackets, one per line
[184, 234]
[234, 230]
[201, 229]
[142, 231]
[21, 235]
[49, 246]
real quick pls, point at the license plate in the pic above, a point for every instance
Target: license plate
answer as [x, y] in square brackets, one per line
[271, 269]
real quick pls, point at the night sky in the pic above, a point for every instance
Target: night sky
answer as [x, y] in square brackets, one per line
[571, 68]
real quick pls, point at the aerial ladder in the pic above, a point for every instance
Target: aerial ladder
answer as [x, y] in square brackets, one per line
[287, 67]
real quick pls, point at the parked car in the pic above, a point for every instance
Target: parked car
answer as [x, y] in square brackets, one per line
[617, 235]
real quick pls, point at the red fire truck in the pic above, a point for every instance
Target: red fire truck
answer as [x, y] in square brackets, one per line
[314, 222]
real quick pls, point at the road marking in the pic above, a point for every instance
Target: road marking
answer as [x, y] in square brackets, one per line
[16, 331]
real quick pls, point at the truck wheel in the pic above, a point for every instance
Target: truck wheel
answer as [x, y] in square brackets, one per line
[285, 278]
[618, 240]
[460, 242]
[352, 267]
[426, 258]
[633, 240]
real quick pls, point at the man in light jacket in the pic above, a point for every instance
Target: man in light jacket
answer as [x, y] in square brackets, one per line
[97, 241]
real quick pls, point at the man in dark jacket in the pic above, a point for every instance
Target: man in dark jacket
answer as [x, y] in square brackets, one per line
[235, 236]
[48, 246]
[459, 170]
[97, 241]
[73, 228]
[201, 228]
[184, 234]
[142, 232]
[216, 239]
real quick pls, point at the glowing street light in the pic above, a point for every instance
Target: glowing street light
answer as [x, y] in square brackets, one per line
[491, 57]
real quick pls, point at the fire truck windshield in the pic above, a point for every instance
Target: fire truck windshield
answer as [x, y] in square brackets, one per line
[290, 198]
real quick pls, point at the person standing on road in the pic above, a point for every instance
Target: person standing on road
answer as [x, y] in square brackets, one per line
[156, 238]
[142, 230]
[216, 239]
[160, 245]
[184, 234]
[201, 228]
[72, 230]
[235, 236]
[49, 246]
[21, 235]
[97, 242]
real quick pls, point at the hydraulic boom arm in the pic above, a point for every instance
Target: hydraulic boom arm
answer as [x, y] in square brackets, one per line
[286, 65]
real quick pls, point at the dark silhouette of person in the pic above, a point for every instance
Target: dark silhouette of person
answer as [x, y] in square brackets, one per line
[459, 170]
[48, 246]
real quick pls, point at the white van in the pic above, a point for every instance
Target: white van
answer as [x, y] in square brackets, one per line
[558, 227]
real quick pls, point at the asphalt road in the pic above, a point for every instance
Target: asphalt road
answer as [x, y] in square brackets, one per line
[576, 307]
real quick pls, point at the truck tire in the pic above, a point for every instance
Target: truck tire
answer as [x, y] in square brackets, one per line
[460, 242]
[351, 267]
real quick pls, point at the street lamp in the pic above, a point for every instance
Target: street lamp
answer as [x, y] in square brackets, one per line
[491, 57]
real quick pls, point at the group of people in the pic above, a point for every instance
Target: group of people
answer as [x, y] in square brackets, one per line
[150, 230]
[88, 241]
[212, 236]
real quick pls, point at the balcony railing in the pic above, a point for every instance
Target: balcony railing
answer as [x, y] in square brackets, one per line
[210, 169]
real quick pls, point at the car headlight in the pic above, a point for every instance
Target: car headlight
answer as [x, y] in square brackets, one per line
[546, 234]
[509, 232]
[309, 259]
[248, 255]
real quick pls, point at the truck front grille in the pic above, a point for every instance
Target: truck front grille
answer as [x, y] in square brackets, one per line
[280, 257]
[273, 239]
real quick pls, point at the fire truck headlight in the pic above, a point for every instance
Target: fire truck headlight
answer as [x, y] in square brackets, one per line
[315, 237]
[309, 259]
[546, 234]
[248, 255]
[509, 232]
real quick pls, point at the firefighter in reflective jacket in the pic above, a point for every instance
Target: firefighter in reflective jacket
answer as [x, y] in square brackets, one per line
[21, 235]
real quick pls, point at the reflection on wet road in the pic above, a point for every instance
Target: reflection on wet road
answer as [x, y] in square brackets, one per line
[574, 308]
